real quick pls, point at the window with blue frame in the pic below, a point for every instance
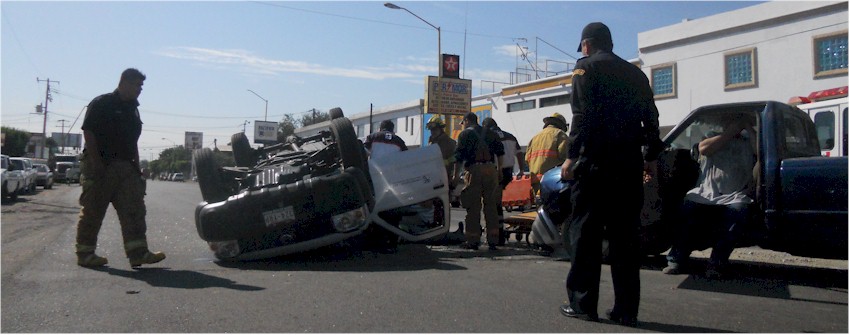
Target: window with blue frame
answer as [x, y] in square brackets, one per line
[740, 67]
[664, 81]
[830, 54]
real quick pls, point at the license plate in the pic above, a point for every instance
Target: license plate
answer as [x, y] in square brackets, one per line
[278, 216]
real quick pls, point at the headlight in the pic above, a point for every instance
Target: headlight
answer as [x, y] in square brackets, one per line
[225, 249]
[350, 220]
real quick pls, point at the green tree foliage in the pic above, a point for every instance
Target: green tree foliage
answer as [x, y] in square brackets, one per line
[287, 127]
[52, 145]
[288, 124]
[15, 141]
[315, 117]
[177, 159]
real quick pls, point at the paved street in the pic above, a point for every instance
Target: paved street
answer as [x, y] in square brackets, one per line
[420, 289]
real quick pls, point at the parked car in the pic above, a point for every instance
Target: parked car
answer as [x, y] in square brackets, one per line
[67, 172]
[801, 197]
[44, 177]
[178, 177]
[316, 191]
[25, 165]
[13, 180]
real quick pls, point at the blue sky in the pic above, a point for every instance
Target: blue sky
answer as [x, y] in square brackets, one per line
[201, 58]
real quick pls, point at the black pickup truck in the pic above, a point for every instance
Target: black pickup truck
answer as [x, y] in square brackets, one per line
[801, 196]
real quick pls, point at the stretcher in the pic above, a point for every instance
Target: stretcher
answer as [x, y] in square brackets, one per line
[519, 194]
[519, 225]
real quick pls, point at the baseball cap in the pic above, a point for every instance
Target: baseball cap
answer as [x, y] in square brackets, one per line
[597, 31]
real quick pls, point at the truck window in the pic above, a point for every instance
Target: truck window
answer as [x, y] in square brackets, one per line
[800, 138]
[825, 125]
[694, 133]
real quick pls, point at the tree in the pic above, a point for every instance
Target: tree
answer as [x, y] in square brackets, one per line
[287, 127]
[288, 124]
[52, 145]
[316, 117]
[15, 141]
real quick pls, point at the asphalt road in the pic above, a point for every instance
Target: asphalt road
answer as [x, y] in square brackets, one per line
[420, 289]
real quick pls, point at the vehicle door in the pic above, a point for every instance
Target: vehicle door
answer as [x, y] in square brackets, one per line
[11, 175]
[831, 124]
[679, 169]
[411, 193]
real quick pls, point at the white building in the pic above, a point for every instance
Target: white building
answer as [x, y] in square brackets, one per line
[770, 51]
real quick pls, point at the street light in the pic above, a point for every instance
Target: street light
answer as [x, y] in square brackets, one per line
[439, 52]
[390, 5]
[265, 118]
[172, 142]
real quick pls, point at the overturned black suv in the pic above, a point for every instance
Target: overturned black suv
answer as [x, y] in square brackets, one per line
[316, 191]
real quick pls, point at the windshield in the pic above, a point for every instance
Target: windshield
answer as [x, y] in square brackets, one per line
[19, 165]
[709, 124]
[5, 163]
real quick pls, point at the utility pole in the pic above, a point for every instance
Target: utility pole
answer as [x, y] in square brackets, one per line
[244, 124]
[64, 136]
[47, 98]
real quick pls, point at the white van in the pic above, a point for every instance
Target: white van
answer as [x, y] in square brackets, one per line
[830, 117]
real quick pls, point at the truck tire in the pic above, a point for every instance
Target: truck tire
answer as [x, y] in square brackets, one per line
[213, 187]
[12, 196]
[243, 154]
[350, 149]
[336, 113]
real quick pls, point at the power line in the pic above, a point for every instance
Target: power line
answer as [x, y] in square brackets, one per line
[279, 5]
[15, 35]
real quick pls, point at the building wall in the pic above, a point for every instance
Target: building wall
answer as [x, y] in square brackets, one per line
[781, 34]
[406, 116]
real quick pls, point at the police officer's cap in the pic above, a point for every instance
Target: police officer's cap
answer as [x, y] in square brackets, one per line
[598, 31]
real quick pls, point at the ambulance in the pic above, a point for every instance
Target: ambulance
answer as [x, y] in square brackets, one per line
[828, 109]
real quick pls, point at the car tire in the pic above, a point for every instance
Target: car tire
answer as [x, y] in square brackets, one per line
[243, 154]
[336, 113]
[213, 187]
[352, 153]
[12, 196]
[350, 149]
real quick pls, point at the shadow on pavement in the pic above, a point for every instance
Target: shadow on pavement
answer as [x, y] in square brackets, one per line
[668, 328]
[165, 277]
[767, 280]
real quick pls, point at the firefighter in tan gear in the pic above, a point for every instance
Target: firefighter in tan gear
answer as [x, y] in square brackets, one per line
[548, 148]
[447, 145]
[110, 174]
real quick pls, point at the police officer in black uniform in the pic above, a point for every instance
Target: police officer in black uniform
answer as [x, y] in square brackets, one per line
[614, 114]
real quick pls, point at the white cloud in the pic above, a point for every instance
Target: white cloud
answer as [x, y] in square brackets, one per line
[245, 60]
